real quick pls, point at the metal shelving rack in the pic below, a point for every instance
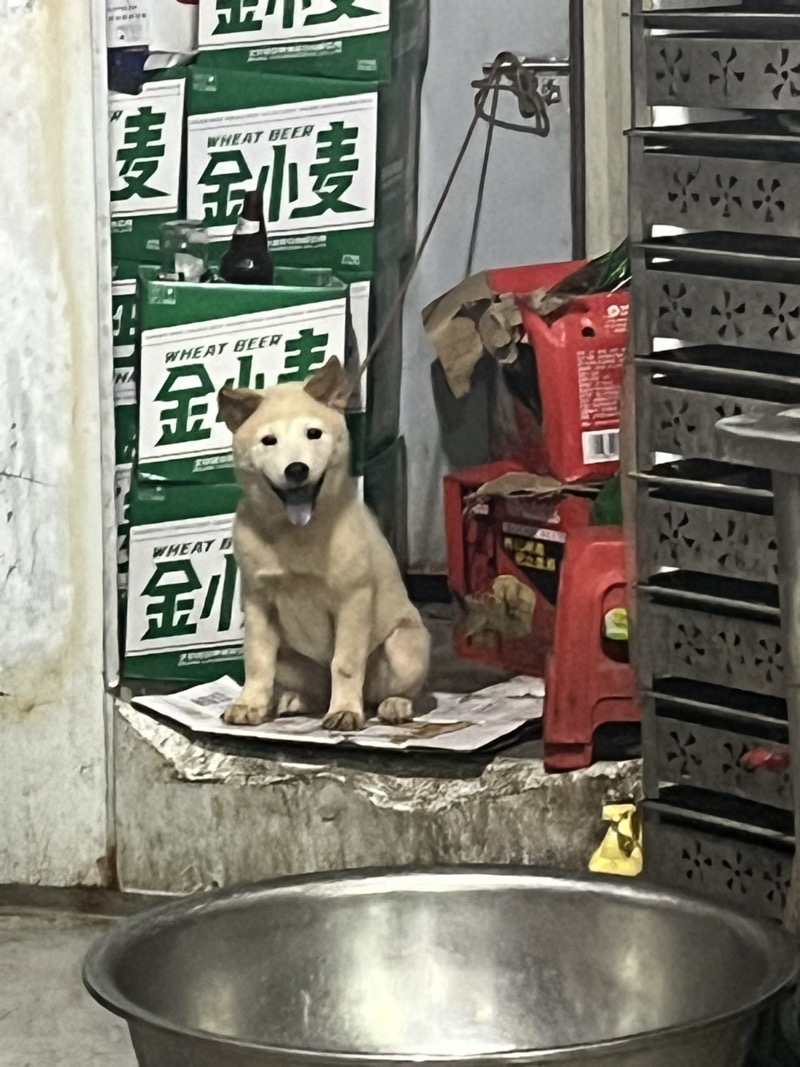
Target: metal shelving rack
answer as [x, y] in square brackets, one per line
[715, 228]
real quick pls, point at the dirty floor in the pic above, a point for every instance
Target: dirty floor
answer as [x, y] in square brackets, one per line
[46, 1017]
[48, 1020]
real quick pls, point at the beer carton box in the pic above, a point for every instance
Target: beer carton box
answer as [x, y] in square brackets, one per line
[146, 150]
[124, 325]
[310, 143]
[197, 338]
[159, 25]
[184, 619]
[331, 38]
[353, 39]
[124, 320]
[123, 479]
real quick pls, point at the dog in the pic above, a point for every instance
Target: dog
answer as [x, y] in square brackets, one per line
[327, 619]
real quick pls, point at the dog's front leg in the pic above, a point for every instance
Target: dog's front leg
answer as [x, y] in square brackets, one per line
[353, 629]
[261, 641]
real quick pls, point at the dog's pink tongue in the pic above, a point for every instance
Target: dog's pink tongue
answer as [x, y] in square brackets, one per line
[299, 514]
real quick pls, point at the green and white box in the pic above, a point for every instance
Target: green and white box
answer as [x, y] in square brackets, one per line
[353, 39]
[332, 38]
[125, 331]
[310, 143]
[184, 617]
[123, 479]
[198, 338]
[124, 325]
[146, 137]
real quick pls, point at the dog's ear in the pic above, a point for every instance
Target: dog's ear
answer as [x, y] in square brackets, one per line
[237, 405]
[331, 385]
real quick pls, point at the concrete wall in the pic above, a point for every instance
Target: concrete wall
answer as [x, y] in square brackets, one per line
[52, 742]
[192, 816]
[527, 214]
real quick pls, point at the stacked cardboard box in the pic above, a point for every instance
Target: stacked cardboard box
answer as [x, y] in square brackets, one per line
[146, 145]
[124, 316]
[352, 39]
[311, 144]
[184, 619]
[157, 25]
[316, 102]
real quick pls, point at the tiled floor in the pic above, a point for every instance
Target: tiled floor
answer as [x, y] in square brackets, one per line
[46, 1017]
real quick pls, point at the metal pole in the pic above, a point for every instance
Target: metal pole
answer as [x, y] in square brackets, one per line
[578, 128]
[786, 488]
[773, 443]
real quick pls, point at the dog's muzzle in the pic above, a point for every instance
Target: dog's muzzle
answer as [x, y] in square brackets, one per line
[299, 501]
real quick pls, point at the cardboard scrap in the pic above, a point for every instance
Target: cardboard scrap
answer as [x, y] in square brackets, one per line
[459, 723]
[503, 613]
[519, 484]
[469, 322]
[459, 349]
[501, 329]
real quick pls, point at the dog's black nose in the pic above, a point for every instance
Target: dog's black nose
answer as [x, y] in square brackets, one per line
[296, 473]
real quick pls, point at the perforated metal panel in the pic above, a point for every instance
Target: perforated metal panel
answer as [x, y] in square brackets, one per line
[717, 540]
[723, 760]
[716, 265]
[704, 646]
[713, 309]
[751, 871]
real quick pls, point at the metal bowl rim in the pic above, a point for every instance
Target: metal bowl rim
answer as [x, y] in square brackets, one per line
[782, 958]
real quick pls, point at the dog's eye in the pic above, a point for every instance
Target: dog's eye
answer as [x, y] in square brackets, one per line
[314, 434]
[269, 440]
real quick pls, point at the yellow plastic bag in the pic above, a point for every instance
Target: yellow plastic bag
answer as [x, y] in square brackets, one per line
[621, 851]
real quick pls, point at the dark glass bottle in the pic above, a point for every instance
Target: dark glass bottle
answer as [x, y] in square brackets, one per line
[247, 261]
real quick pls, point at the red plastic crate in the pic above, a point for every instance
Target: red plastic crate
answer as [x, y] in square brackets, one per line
[580, 360]
[520, 537]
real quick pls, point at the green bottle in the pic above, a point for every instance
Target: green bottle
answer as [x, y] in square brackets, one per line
[607, 510]
[602, 275]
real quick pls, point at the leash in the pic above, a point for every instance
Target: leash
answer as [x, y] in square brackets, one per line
[507, 74]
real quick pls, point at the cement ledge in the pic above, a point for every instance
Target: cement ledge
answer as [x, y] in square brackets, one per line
[199, 814]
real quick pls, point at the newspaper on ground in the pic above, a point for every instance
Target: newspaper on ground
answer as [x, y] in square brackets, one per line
[459, 723]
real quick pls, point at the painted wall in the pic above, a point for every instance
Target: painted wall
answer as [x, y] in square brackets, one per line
[52, 735]
[526, 216]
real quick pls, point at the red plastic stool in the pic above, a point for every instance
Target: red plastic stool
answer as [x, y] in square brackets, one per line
[586, 687]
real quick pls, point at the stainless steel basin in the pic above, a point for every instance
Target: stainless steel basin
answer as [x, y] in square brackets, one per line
[464, 966]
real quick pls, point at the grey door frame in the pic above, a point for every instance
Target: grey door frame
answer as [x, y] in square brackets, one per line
[577, 82]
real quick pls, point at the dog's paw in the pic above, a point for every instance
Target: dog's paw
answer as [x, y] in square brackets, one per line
[396, 710]
[290, 703]
[245, 714]
[344, 722]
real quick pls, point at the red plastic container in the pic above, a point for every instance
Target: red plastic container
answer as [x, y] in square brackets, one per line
[587, 684]
[580, 360]
[519, 537]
